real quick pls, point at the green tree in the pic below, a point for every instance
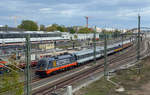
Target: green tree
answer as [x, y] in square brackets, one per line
[59, 28]
[85, 30]
[75, 36]
[56, 27]
[28, 25]
[71, 30]
[51, 28]
[42, 27]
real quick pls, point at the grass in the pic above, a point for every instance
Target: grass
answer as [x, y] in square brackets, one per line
[10, 83]
[129, 79]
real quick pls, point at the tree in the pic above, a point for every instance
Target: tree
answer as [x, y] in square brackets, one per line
[42, 27]
[28, 25]
[75, 36]
[59, 28]
[85, 30]
[56, 27]
[71, 30]
[6, 27]
[51, 28]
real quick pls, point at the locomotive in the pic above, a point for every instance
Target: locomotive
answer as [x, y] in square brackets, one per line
[51, 65]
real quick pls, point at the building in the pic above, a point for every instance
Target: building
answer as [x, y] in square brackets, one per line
[7, 28]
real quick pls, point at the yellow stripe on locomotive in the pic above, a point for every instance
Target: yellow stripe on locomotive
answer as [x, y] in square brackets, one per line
[54, 63]
[118, 49]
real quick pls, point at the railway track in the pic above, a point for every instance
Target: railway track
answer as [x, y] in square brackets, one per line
[85, 73]
[120, 60]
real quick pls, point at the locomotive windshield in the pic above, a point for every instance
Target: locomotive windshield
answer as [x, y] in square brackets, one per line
[42, 64]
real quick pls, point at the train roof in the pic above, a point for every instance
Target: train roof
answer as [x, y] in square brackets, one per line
[82, 52]
[29, 32]
[116, 44]
[32, 39]
[62, 56]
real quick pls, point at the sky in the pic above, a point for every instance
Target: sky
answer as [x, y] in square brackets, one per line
[102, 13]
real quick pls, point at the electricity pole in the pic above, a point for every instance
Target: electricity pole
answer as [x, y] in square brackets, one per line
[122, 40]
[138, 47]
[94, 44]
[105, 54]
[27, 71]
[138, 51]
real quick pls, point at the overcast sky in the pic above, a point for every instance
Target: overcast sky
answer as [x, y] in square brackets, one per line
[102, 13]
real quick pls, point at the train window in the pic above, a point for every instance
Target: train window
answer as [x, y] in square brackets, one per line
[31, 35]
[1, 35]
[97, 53]
[89, 54]
[42, 64]
[25, 35]
[109, 49]
[50, 65]
[85, 56]
[36, 35]
[72, 59]
[80, 57]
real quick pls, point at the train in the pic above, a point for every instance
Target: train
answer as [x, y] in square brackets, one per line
[51, 65]
[2, 66]
[12, 38]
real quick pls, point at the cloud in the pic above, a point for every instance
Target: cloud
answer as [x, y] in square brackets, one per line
[45, 10]
[72, 12]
